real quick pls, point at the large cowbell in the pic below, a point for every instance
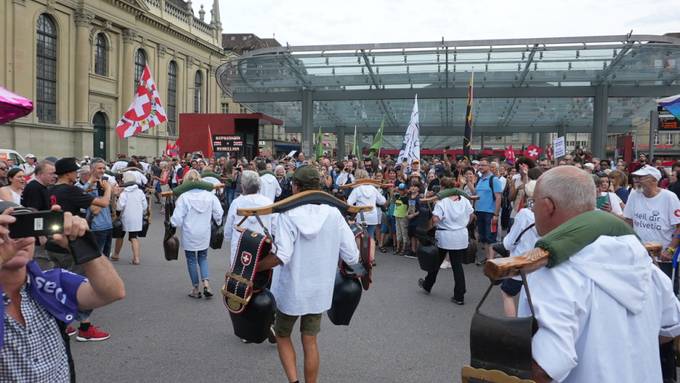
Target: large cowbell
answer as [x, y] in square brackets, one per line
[254, 323]
[346, 297]
[499, 343]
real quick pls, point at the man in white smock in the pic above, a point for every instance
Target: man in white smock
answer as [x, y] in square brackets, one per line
[310, 239]
[249, 198]
[269, 185]
[600, 313]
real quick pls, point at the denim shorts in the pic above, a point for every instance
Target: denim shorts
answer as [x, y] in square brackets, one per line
[370, 229]
[484, 227]
[389, 225]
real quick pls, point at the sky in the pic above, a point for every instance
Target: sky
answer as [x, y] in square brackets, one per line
[311, 22]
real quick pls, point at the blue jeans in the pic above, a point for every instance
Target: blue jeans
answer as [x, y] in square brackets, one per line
[202, 256]
[103, 238]
[371, 230]
[484, 227]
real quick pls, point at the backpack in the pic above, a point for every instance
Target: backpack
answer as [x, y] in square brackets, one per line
[493, 193]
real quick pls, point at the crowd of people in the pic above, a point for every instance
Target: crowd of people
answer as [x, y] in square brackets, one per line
[493, 212]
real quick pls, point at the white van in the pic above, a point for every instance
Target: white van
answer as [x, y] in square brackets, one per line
[13, 155]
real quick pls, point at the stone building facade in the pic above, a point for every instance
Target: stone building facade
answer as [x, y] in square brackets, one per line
[79, 61]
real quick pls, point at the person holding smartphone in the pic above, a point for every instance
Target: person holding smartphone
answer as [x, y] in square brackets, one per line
[608, 200]
[36, 318]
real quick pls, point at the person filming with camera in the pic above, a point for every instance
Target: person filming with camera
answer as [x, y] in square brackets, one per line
[39, 304]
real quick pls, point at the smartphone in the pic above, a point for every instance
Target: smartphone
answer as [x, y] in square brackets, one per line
[602, 200]
[36, 223]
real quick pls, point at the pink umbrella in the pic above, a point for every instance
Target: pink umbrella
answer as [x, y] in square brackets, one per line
[13, 106]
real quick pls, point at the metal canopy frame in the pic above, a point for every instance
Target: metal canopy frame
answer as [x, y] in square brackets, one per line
[534, 85]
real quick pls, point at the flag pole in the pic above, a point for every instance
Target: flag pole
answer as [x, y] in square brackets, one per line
[467, 138]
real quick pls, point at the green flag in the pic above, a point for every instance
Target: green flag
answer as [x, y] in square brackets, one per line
[378, 139]
[355, 143]
[319, 144]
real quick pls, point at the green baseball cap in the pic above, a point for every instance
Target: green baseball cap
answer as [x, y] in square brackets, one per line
[307, 176]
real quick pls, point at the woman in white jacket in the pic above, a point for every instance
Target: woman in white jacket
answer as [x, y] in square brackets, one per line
[367, 195]
[131, 204]
[194, 210]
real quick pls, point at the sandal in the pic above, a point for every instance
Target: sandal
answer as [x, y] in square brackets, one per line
[115, 258]
[207, 292]
[383, 249]
[195, 295]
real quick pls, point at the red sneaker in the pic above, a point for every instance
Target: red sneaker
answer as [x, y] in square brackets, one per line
[93, 334]
[70, 331]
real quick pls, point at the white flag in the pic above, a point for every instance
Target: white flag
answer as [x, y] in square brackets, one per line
[410, 148]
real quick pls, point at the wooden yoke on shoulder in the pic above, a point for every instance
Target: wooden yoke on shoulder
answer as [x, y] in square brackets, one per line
[304, 198]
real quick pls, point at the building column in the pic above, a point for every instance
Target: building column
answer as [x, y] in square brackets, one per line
[307, 122]
[128, 70]
[598, 138]
[82, 138]
[340, 142]
[543, 140]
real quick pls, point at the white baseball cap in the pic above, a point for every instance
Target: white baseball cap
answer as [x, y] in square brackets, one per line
[29, 155]
[648, 171]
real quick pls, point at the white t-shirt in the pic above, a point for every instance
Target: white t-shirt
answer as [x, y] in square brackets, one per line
[523, 219]
[454, 217]
[654, 219]
[615, 202]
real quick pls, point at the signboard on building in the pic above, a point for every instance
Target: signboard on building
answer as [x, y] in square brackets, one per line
[559, 147]
[230, 145]
[667, 121]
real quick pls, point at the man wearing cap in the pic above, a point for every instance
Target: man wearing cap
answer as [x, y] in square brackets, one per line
[654, 214]
[73, 199]
[309, 240]
[29, 166]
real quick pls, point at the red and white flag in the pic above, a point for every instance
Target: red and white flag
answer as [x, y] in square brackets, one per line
[145, 111]
[533, 152]
[510, 155]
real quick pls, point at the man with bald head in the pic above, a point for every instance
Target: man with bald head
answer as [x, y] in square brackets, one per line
[602, 312]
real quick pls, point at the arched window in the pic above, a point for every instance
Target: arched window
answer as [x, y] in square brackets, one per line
[140, 63]
[172, 98]
[198, 91]
[101, 61]
[46, 77]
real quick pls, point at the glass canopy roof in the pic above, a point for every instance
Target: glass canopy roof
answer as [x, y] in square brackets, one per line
[521, 85]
